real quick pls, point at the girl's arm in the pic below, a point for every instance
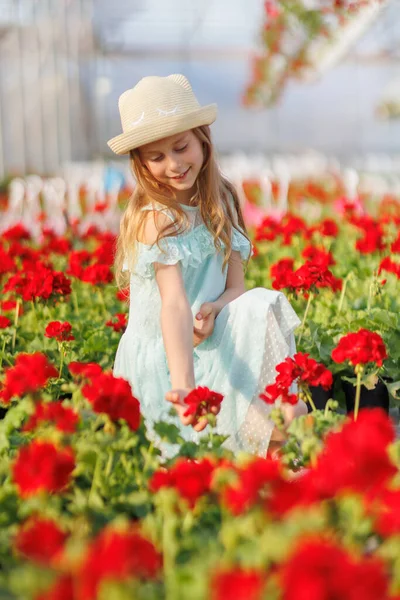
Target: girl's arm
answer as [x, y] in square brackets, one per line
[176, 325]
[176, 315]
[234, 283]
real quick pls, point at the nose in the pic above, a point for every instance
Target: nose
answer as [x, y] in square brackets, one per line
[174, 163]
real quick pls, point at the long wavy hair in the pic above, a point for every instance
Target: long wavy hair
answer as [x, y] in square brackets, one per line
[212, 194]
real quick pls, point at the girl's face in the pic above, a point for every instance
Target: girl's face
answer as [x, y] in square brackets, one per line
[176, 161]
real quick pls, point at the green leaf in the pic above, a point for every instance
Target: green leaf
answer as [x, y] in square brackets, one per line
[168, 432]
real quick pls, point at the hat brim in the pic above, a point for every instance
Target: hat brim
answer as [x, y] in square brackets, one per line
[144, 134]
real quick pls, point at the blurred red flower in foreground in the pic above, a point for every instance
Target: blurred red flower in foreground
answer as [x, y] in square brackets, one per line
[390, 266]
[360, 348]
[64, 418]
[40, 540]
[237, 584]
[190, 478]
[319, 569]
[59, 331]
[63, 589]
[4, 322]
[42, 467]
[84, 370]
[117, 556]
[113, 396]
[29, 374]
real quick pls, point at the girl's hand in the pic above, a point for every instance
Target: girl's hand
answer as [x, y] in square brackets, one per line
[204, 323]
[177, 397]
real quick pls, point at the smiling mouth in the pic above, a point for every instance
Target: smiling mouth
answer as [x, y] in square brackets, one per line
[179, 177]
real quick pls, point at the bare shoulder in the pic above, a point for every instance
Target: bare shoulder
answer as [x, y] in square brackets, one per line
[154, 221]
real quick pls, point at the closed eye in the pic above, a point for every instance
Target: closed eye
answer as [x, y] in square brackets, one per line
[182, 149]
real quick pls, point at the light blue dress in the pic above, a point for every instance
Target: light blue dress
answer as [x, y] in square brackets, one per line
[251, 336]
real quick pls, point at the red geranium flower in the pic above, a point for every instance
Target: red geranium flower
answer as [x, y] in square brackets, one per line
[360, 348]
[4, 322]
[42, 467]
[119, 324]
[29, 374]
[237, 584]
[390, 266]
[395, 247]
[201, 401]
[64, 418]
[84, 370]
[17, 232]
[123, 295]
[328, 228]
[386, 513]
[40, 540]
[10, 305]
[97, 274]
[251, 482]
[192, 479]
[113, 396]
[78, 260]
[274, 391]
[7, 265]
[59, 331]
[320, 570]
[117, 556]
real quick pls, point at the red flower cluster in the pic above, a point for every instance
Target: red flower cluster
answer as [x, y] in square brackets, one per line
[64, 418]
[251, 482]
[119, 324]
[7, 264]
[119, 556]
[308, 276]
[78, 260]
[319, 569]
[354, 459]
[10, 305]
[42, 282]
[360, 348]
[191, 479]
[372, 240]
[390, 266]
[237, 584]
[4, 322]
[84, 370]
[318, 256]
[201, 401]
[300, 368]
[395, 247]
[40, 540]
[16, 232]
[42, 466]
[123, 295]
[290, 225]
[113, 396]
[97, 274]
[29, 374]
[59, 331]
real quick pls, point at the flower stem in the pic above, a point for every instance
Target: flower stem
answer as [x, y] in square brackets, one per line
[14, 337]
[2, 352]
[94, 480]
[61, 360]
[305, 316]
[343, 292]
[358, 394]
[103, 306]
[75, 302]
[306, 391]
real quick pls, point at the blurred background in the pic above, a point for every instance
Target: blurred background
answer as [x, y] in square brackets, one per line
[302, 86]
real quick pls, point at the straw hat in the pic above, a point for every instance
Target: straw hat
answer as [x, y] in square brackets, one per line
[158, 107]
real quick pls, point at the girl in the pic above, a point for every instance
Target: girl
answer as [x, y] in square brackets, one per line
[181, 246]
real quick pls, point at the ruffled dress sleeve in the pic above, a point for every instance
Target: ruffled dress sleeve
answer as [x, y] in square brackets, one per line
[239, 242]
[190, 249]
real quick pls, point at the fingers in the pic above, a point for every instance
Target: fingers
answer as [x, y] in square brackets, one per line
[204, 311]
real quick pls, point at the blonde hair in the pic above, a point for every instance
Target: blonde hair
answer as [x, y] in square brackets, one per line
[213, 191]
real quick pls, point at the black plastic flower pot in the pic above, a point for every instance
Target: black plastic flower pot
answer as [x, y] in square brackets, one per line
[378, 397]
[319, 396]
